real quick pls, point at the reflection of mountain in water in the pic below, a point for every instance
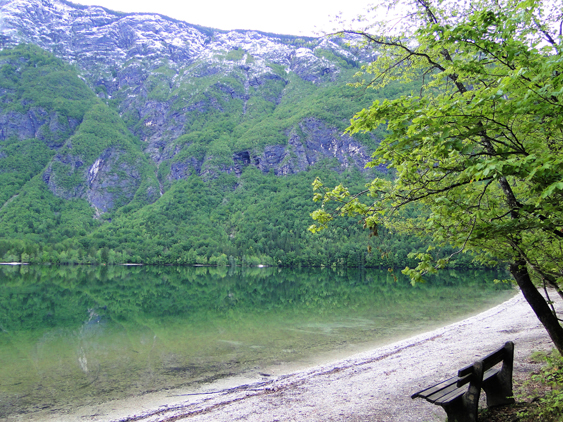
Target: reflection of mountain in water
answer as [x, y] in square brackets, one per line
[98, 333]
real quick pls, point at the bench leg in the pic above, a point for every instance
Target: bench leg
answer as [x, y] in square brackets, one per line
[499, 390]
[463, 409]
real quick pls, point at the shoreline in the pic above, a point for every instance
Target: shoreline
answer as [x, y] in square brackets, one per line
[370, 386]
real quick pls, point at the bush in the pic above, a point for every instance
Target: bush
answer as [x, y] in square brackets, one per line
[551, 375]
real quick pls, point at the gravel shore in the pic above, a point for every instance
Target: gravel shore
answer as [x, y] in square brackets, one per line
[372, 386]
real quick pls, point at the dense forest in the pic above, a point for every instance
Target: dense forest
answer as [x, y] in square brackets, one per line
[264, 221]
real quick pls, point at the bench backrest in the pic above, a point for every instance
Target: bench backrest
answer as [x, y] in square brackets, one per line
[504, 354]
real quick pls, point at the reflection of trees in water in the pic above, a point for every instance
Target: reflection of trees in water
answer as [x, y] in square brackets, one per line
[69, 295]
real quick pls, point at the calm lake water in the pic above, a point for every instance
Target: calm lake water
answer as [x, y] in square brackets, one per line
[72, 336]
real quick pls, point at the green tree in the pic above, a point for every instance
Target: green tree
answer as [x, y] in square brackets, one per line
[477, 151]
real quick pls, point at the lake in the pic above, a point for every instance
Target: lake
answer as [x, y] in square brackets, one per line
[77, 335]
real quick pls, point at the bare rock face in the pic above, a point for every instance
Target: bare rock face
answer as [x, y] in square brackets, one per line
[320, 142]
[158, 126]
[36, 123]
[111, 181]
[311, 68]
[323, 141]
[185, 168]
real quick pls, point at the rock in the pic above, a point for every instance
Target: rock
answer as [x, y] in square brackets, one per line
[110, 181]
[321, 142]
[36, 123]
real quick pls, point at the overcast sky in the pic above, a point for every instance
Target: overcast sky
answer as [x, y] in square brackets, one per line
[293, 17]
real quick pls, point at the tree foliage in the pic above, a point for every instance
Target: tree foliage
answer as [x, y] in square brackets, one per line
[478, 148]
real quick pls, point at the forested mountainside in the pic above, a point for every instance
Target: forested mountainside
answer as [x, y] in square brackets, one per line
[139, 138]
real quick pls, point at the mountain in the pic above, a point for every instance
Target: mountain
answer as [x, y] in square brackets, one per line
[140, 138]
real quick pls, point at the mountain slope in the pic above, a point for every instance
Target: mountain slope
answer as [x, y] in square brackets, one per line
[62, 145]
[139, 138]
[231, 92]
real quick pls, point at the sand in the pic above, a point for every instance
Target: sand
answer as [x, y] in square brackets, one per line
[371, 386]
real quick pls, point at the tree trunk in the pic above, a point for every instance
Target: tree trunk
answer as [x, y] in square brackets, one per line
[538, 303]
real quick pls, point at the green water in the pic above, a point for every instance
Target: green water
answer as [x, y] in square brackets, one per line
[71, 336]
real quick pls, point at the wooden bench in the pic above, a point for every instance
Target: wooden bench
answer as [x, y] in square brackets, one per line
[459, 396]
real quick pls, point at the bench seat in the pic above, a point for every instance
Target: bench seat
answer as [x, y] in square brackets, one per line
[448, 390]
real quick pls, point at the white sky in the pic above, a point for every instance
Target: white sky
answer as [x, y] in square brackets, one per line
[291, 17]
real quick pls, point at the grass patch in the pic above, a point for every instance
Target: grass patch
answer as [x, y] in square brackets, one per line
[539, 397]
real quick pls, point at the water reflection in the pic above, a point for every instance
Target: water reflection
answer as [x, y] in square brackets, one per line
[78, 335]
